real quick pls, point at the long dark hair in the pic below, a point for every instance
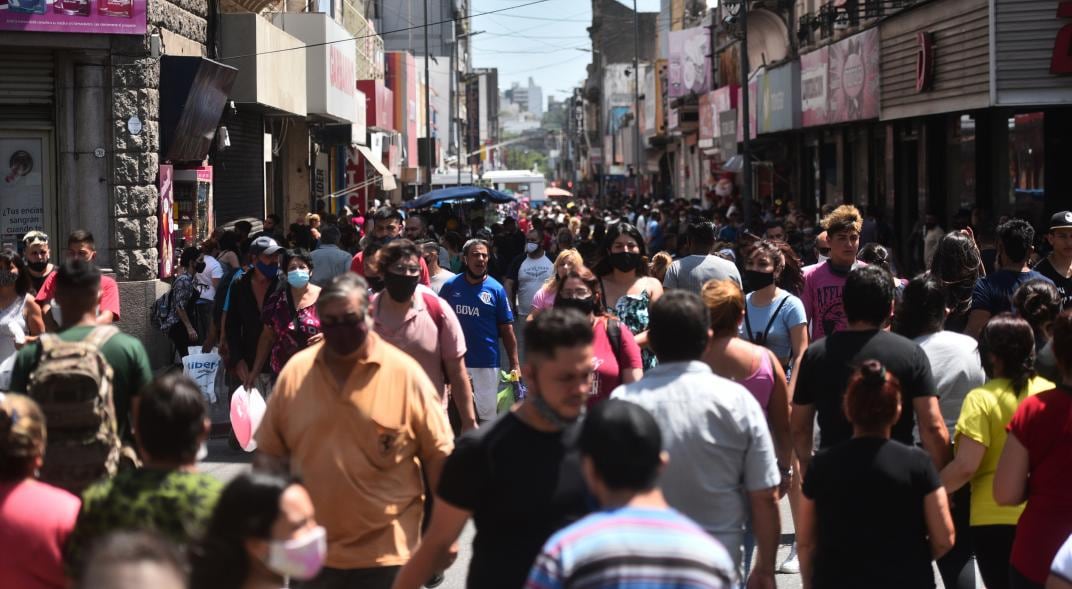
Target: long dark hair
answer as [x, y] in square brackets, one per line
[602, 266]
[788, 274]
[247, 508]
[957, 266]
[22, 282]
[1039, 303]
[922, 307]
[1010, 338]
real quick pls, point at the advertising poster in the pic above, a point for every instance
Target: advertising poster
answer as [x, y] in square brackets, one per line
[690, 62]
[813, 86]
[854, 78]
[779, 104]
[110, 17]
[707, 120]
[167, 198]
[22, 188]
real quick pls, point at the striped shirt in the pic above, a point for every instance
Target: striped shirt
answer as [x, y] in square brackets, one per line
[633, 548]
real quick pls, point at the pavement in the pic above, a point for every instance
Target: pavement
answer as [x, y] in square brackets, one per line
[225, 463]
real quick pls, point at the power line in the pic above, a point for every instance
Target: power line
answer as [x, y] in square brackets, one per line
[449, 20]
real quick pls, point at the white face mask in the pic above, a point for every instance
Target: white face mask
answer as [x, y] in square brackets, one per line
[301, 558]
[531, 247]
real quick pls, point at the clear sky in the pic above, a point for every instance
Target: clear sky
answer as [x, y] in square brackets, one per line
[540, 41]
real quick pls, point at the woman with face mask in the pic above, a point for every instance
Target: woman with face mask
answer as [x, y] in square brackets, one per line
[20, 317]
[180, 324]
[263, 532]
[625, 284]
[290, 319]
[774, 317]
[615, 353]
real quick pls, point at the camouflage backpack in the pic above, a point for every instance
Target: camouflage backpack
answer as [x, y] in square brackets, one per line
[73, 385]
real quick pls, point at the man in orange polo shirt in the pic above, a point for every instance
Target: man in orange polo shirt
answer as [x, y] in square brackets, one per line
[353, 416]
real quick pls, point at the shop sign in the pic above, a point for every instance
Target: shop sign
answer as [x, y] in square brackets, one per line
[840, 83]
[331, 70]
[1061, 63]
[708, 120]
[103, 17]
[779, 103]
[813, 86]
[924, 61]
[165, 226]
[22, 187]
[690, 62]
[727, 136]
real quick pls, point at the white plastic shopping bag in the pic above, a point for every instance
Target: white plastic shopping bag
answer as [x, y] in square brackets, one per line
[247, 411]
[202, 368]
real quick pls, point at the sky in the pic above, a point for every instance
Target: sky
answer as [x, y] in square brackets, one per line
[540, 40]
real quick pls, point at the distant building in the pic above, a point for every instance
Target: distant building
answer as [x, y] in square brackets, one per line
[529, 99]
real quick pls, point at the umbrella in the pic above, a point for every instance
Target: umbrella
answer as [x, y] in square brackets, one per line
[458, 193]
[553, 192]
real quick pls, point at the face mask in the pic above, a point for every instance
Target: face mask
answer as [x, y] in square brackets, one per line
[585, 305]
[375, 283]
[199, 267]
[300, 558]
[754, 280]
[531, 247]
[624, 261]
[550, 414]
[37, 266]
[400, 287]
[298, 278]
[8, 278]
[268, 270]
[344, 338]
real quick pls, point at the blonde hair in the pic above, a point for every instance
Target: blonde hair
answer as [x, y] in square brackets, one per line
[22, 436]
[843, 218]
[725, 302]
[571, 256]
[659, 263]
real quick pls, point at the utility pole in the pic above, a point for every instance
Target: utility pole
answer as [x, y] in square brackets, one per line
[746, 122]
[638, 150]
[429, 151]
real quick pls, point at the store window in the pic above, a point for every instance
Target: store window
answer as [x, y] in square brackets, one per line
[25, 176]
[964, 185]
[1026, 164]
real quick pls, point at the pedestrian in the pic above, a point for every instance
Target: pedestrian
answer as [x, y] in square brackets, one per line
[1007, 349]
[290, 320]
[615, 352]
[360, 421]
[312, 220]
[627, 289]
[133, 560]
[826, 368]
[697, 264]
[526, 275]
[723, 468]
[774, 317]
[437, 274]
[412, 318]
[956, 367]
[35, 518]
[1061, 569]
[180, 325]
[519, 479]
[388, 227]
[77, 287]
[544, 298]
[659, 264]
[244, 308]
[328, 258]
[1039, 450]
[229, 252]
[480, 303]
[993, 293]
[637, 538]
[208, 275]
[262, 532]
[21, 321]
[38, 258]
[271, 227]
[167, 496]
[823, 282]
[1039, 303]
[1057, 266]
[957, 266]
[80, 246]
[871, 487]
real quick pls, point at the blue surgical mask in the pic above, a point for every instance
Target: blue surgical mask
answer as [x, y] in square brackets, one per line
[298, 278]
[268, 270]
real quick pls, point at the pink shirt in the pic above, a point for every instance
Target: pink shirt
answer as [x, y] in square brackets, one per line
[761, 382]
[609, 366]
[543, 299]
[35, 521]
[417, 335]
[821, 296]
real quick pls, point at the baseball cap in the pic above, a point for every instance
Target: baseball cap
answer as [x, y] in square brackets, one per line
[264, 245]
[1061, 220]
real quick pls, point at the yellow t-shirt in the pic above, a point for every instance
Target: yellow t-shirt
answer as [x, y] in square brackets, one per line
[986, 412]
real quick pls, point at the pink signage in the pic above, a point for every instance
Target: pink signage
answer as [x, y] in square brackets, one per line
[111, 17]
[167, 251]
[854, 78]
[814, 71]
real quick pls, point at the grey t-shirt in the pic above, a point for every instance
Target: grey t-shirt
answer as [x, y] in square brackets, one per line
[691, 272]
[956, 368]
[719, 444]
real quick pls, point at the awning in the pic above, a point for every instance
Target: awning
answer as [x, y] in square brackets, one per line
[388, 177]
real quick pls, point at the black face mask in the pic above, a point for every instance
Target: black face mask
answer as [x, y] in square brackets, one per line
[624, 261]
[400, 287]
[586, 305]
[754, 280]
[37, 266]
[199, 267]
[375, 283]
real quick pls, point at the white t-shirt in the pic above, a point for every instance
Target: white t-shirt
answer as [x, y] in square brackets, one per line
[530, 277]
[955, 364]
[1062, 563]
[204, 279]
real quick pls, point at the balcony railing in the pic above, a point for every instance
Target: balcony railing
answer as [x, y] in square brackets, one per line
[824, 24]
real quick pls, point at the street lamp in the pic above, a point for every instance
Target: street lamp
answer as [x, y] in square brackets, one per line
[739, 10]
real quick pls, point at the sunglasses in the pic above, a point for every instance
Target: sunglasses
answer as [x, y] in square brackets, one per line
[35, 237]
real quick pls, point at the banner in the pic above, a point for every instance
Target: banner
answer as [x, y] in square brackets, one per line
[813, 73]
[854, 78]
[166, 222]
[108, 17]
[690, 62]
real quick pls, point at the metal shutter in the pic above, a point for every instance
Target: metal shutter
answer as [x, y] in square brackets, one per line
[238, 184]
[27, 85]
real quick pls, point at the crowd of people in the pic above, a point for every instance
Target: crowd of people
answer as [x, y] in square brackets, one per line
[669, 375]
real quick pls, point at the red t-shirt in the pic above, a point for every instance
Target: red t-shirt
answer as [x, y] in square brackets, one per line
[357, 266]
[109, 294]
[608, 373]
[1043, 424]
[35, 521]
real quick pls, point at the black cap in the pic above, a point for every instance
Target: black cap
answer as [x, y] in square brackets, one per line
[624, 442]
[1061, 220]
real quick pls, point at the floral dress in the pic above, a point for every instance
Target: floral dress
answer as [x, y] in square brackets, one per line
[632, 310]
[290, 337]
